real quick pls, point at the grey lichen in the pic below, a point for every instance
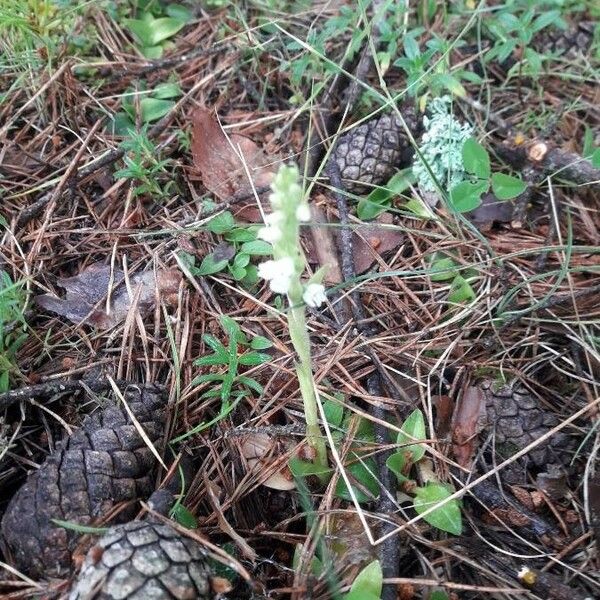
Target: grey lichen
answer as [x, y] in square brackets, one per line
[441, 147]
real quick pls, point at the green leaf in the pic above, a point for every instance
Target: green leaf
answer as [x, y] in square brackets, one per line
[367, 210]
[153, 109]
[588, 142]
[212, 360]
[152, 52]
[446, 517]
[466, 196]
[451, 83]
[165, 91]
[506, 187]
[443, 268]
[460, 291]
[260, 343]
[396, 464]
[302, 468]
[362, 471]
[379, 199]
[438, 595]
[596, 158]
[184, 517]
[476, 159]
[232, 329]
[209, 265]
[121, 125]
[208, 378]
[334, 412]
[142, 30]
[241, 259]
[251, 276]
[238, 273]
[412, 429]
[180, 12]
[164, 28]
[254, 358]
[545, 19]
[411, 47]
[251, 383]
[221, 223]
[213, 343]
[240, 234]
[257, 248]
[418, 209]
[368, 583]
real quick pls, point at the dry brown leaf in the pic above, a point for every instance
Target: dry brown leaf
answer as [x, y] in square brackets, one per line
[371, 240]
[217, 157]
[87, 291]
[259, 451]
[469, 419]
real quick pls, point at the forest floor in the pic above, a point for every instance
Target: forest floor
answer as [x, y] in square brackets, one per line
[138, 141]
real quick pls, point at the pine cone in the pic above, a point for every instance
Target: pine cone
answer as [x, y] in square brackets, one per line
[518, 419]
[103, 463]
[142, 561]
[570, 43]
[368, 155]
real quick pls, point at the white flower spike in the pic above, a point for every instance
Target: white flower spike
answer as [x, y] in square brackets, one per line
[314, 295]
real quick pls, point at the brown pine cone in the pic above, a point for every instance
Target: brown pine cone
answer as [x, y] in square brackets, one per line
[570, 43]
[103, 463]
[143, 561]
[369, 154]
[518, 419]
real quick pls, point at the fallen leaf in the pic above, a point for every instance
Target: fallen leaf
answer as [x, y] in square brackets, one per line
[370, 241]
[490, 211]
[220, 158]
[261, 454]
[469, 419]
[84, 301]
[348, 542]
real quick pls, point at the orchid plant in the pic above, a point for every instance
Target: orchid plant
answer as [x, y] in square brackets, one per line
[289, 209]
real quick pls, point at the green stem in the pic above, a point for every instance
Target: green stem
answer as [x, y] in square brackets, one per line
[301, 342]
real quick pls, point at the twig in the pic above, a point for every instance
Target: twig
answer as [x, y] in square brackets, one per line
[389, 550]
[54, 388]
[170, 61]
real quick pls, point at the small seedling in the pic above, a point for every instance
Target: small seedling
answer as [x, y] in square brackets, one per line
[234, 256]
[230, 386]
[153, 105]
[143, 166]
[513, 27]
[231, 383]
[152, 31]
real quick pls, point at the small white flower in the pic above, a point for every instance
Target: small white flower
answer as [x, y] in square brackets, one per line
[269, 234]
[303, 212]
[274, 218]
[280, 284]
[314, 295]
[278, 273]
